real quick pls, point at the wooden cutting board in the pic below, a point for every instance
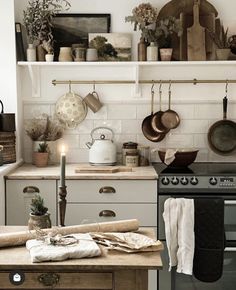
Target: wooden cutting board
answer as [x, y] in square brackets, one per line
[196, 37]
[102, 169]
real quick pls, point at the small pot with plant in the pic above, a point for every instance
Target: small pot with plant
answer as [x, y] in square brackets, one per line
[39, 216]
[222, 43]
[41, 156]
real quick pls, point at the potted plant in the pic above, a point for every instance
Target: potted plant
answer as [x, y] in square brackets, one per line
[38, 21]
[153, 30]
[222, 42]
[45, 128]
[39, 215]
[40, 157]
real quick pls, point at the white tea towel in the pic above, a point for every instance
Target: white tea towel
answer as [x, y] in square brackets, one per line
[179, 227]
[41, 252]
[170, 156]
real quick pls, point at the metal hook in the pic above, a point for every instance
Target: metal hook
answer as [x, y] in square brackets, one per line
[170, 84]
[94, 86]
[152, 88]
[226, 87]
[69, 86]
[160, 91]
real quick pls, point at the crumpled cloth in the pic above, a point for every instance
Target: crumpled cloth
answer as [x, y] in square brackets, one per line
[41, 252]
[129, 242]
[170, 156]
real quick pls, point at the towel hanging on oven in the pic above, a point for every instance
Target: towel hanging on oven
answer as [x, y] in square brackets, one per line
[209, 239]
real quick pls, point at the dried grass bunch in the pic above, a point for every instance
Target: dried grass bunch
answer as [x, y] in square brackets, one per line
[44, 128]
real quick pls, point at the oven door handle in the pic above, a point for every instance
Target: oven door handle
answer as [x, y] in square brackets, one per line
[230, 249]
[230, 202]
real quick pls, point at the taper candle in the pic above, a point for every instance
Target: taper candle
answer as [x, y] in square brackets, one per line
[63, 167]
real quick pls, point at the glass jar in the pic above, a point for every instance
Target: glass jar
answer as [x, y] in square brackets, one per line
[132, 159]
[128, 147]
[144, 153]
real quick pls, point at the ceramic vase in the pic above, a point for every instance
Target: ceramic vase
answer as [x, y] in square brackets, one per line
[142, 50]
[39, 221]
[166, 54]
[152, 52]
[222, 53]
[31, 52]
[65, 54]
[49, 57]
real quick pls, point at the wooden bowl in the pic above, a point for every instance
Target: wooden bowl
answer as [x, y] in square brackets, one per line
[183, 157]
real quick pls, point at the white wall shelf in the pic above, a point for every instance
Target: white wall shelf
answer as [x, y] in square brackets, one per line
[135, 66]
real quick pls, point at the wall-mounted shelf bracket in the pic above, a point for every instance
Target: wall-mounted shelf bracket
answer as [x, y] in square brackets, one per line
[34, 72]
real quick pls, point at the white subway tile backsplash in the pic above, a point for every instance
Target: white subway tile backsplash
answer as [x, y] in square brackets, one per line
[83, 140]
[77, 156]
[192, 127]
[200, 141]
[85, 127]
[119, 112]
[122, 138]
[130, 126]
[179, 140]
[208, 111]
[70, 141]
[34, 111]
[115, 125]
[100, 115]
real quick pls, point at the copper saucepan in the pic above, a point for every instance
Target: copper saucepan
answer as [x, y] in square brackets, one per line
[156, 119]
[170, 119]
[148, 130]
[222, 134]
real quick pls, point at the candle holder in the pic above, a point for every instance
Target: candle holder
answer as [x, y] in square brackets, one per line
[62, 204]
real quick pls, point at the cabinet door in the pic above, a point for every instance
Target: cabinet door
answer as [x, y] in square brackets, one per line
[18, 198]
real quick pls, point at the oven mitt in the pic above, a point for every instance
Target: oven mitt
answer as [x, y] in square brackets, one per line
[209, 239]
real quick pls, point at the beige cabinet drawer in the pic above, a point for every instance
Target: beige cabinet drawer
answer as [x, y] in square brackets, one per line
[78, 213]
[112, 191]
[59, 280]
[18, 199]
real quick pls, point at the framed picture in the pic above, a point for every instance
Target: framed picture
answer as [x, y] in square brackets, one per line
[112, 46]
[69, 29]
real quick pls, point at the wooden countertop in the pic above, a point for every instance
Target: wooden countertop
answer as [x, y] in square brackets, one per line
[29, 171]
[19, 258]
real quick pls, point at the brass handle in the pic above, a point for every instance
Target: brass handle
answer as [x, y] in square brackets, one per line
[107, 213]
[107, 189]
[49, 279]
[31, 189]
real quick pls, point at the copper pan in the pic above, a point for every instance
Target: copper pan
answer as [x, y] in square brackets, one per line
[147, 128]
[170, 119]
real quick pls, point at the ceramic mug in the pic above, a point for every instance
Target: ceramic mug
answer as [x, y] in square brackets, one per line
[65, 54]
[93, 102]
[79, 53]
[91, 54]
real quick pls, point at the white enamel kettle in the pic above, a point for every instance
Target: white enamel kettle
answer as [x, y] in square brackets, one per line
[102, 151]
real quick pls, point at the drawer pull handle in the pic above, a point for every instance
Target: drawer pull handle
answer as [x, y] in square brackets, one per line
[107, 189]
[107, 213]
[31, 189]
[49, 279]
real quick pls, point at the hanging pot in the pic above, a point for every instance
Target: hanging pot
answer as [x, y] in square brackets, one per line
[7, 121]
[222, 134]
[147, 128]
[170, 119]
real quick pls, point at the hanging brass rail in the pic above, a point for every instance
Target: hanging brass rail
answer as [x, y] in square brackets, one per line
[125, 82]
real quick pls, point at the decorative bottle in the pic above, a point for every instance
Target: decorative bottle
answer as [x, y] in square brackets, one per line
[31, 53]
[142, 50]
[152, 52]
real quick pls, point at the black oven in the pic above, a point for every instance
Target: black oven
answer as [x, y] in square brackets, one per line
[208, 180]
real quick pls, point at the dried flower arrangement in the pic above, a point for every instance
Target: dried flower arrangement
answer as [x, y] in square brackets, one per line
[38, 20]
[145, 18]
[44, 128]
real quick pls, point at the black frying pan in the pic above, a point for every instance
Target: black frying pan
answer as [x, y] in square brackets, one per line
[222, 134]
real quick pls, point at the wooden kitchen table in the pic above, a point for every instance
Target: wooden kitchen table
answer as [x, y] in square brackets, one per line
[113, 270]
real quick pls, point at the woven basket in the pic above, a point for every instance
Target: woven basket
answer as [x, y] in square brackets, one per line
[8, 141]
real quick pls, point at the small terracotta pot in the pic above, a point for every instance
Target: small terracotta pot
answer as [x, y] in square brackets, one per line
[39, 221]
[40, 159]
[222, 53]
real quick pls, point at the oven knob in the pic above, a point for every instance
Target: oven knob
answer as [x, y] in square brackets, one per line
[165, 181]
[175, 181]
[213, 181]
[194, 181]
[184, 180]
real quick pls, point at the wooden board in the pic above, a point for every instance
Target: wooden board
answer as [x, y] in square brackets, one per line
[196, 37]
[102, 169]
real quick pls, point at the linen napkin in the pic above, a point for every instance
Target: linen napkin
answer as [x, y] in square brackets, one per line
[170, 156]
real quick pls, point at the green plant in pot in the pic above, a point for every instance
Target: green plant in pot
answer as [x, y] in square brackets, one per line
[39, 215]
[222, 43]
[41, 156]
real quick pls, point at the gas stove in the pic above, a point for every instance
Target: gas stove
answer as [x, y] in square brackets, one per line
[217, 178]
